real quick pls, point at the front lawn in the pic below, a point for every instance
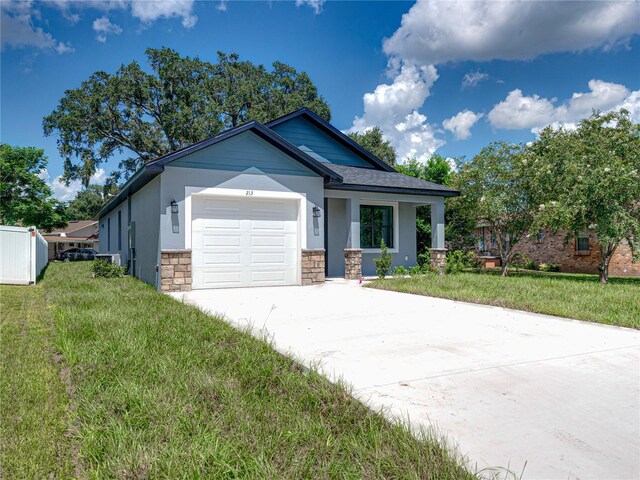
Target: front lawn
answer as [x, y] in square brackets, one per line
[106, 378]
[565, 295]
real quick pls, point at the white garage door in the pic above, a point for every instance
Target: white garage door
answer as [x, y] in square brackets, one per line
[241, 242]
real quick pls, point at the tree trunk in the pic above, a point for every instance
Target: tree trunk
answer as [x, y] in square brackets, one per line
[505, 267]
[604, 273]
[606, 253]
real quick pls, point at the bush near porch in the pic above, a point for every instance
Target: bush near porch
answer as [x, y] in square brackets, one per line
[577, 296]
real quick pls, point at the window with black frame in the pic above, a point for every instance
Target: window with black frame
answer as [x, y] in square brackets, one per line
[376, 224]
[582, 243]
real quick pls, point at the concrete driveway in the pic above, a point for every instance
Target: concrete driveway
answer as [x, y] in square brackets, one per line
[508, 387]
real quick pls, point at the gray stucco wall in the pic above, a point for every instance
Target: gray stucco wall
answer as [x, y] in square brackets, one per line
[175, 179]
[337, 233]
[145, 213]
[104, 246]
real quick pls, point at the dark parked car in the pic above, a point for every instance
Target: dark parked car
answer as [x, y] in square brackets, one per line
[76, 254]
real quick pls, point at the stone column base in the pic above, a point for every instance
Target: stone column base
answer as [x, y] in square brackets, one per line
[175, 268]
[438, 259]
[313, 267]
[353, 263]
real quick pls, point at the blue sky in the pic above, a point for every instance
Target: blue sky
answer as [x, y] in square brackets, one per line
[377, 63]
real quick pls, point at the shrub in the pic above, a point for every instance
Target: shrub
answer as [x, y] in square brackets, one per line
[103, 268]
[424, 260]
[520, 260]
[399, 271]
[417, 270]
[383, 264]
[459, 260]
[549, 267]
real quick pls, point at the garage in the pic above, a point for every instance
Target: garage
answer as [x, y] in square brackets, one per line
[244, 241]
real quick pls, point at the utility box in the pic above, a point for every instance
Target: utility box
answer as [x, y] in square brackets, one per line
[113, 258]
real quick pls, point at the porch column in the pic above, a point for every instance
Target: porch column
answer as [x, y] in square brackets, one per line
[353, 253]
[437, 251]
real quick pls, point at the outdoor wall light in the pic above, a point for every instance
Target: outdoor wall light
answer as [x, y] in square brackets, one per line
[316, 211]
[174, 206]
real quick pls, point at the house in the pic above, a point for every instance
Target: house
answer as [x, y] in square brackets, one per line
[580, 254]
[78, 233]
[283, 203]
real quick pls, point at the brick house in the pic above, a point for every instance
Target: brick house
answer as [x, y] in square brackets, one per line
[579, 255]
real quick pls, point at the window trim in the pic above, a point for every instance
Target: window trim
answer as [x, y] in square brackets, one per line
[395, 215]
[109, 235]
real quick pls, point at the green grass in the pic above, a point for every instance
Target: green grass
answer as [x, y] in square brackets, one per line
[565, 295]
[33, 399]
[158, 389]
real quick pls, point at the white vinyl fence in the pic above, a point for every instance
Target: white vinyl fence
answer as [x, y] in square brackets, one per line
[23, 255]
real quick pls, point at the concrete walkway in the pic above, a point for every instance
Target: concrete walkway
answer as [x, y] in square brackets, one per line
[509, 387]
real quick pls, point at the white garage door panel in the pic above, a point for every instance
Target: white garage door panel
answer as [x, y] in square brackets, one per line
[219, 279]
[221, 240]
[268, 258]
[268, 278]
[244, 242]
[213, 259]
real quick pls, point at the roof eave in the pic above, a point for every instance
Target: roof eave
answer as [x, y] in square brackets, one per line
[155, 167]
[397, 190]
[135, 183]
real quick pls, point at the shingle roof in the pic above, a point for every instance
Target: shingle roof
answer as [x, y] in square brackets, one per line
[368, 179]
[73, 226]
[381, 178]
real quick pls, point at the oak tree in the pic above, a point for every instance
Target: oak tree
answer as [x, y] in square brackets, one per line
[140, 114]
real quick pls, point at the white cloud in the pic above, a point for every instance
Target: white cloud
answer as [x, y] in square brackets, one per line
[19, 31]
[99, 177]
[632, 104]
[150, 11]
[222, 6]
[394, 108]
[66, 193]
[102, 26]
[20, 18]
[316, 5]
[452, 163]
[518, 111]
[471, 79]
[440, 32]
[461, 123]
[432, 33]
[602, 96]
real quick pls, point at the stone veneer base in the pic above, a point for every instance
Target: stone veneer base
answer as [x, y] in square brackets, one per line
[313, 266]
[175, 268]
[438, 259]
[353, 263]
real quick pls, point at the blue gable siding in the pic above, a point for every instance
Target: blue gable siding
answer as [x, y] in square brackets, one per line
[242, 152]
[318, 144]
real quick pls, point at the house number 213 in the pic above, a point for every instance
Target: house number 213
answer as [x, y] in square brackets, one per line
[249, 192]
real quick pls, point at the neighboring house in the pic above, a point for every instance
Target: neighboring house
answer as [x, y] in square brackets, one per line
[284, 203]
[79, 233]
[580, 255]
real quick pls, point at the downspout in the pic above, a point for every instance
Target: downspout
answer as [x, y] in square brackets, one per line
[132, 267]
